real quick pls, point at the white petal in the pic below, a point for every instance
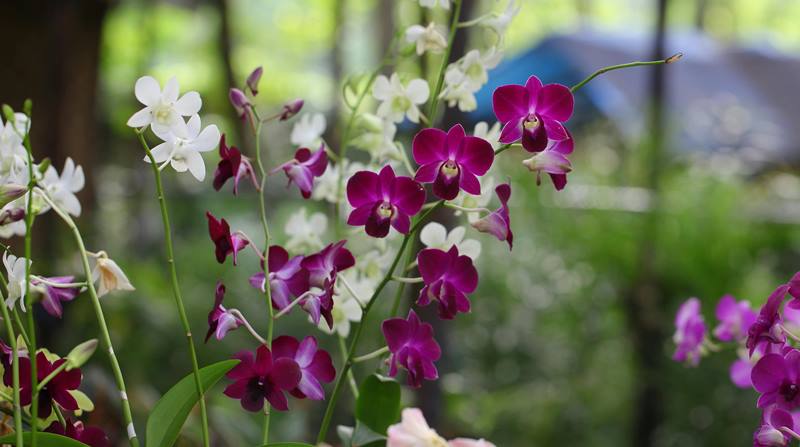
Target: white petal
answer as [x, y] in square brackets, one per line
[471, 248]
[319, 222]
[456, 235]
[193, 127]
[414, 32]
[318, 123]
[418, 91]
[412, 113]
[189, 104]
[171, 90]
[208, 139]
[160, 153]
[196, 165]
[141, 118]
[433, 234]
[71, 204]
[381, 89]
[147, 90]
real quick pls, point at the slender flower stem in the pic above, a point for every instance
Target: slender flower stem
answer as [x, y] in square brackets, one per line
[176, 290]
[52, 375]
[101, 322]
[289, 307]
[504, 148]
[265, 226]
[674, 58]
[247, 325]
[407, 280]
[326, 419]
[398, 293]
[59, 285]
[371, 355]
[351, 379]
[468, 210]
[21, 326]
[445, 60]
[12, 340]
[350, 289]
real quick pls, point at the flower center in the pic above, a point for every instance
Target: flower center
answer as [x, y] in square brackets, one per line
[531, 122]
[789, 391]
[162, 113]
[401, 103]
[449, 169]
[385, 210]
[475, 71]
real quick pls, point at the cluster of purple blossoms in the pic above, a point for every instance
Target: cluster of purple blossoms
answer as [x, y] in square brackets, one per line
[768, 360]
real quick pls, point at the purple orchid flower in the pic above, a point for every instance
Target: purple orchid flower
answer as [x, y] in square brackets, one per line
[225, 243]
[383, 199]
[735, 319]
[89, 435]
[286, 277]
[498, 223]
[413, 347]
[303, 168]
[262, 377]
[56, 390]
[323, 268]
[52, 296]
[291, 109]
[448, 278]
[239, 102]
[253, 79]
[553, 161]
[220, 320]
[232, 165]
[533, 113]
[690, 332]
[777, 378]
[767, 329]
[451, 160]
[770, 433]
[315, 365]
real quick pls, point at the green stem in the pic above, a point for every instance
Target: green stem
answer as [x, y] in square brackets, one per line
[674, 58]
[12, 340]
[21, 326]
[101, 321]
[28, 299]
[176, 290]
[326, 419]
[51, 376]
[371, 355]
[351, 379]
[267, 238]
[445, 60]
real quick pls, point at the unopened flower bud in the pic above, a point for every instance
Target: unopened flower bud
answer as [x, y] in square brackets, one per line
[8, 113]
[291, 109]
[80, 354]
[253, 79]
[11, 215]
[10, 192]
[239, 102]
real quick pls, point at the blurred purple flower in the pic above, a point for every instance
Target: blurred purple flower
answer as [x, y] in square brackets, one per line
[220, 320]
[91, 436]
[383, 199]
[553, 161]
[304, 167]
[690, 332]
[448, 277]
[769, 434]
[225, 243]
[533, 113]
[412, 346]
[767, 329]
[498, 223]
[286, 277]
[291, 109]
[323, 268]
[56, 390]
[777, 378]
[52, 296]
[232, 165]
[259, 377]
[451, 160]
[735, 319]
[315, 365]
[239, 102]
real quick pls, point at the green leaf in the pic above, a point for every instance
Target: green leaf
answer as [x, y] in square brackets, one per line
[171, 411]
[378, 404]
[364, 437]
[43, 440]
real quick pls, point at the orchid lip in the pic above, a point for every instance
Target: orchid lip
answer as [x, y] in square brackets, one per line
[449, 169]
[531, 122]
[385, 210]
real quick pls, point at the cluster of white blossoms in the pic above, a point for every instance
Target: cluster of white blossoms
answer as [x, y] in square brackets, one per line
[183, 140]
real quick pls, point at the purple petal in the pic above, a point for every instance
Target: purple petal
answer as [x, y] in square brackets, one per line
[427, 172]
[396, 332]
[512, 131]
[428, 146]
[476, 155]
[360, 215]
[740, 371]
[555, 101]
[363, 189]
[455, 136]
[285, 373]
[469, 183]
[408, 196]
[401, 222]
[433, 263]
[768, 373]
[533, 87]
[554, 129]
[463, 275]
[510, 102]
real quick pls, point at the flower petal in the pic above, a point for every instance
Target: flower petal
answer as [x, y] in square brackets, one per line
[510, 102]
[147, 90]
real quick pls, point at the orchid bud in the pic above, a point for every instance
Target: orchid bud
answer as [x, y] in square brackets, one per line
[253, 79]
[8, 113]
[11, 215]
[27, 107]
[80, 354]
[239, 102]
[291, 109]
[10, 192]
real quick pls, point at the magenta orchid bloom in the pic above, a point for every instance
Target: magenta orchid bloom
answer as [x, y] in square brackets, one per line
[323, 268]
[287, 278]
[56, 390]
[735, 319]
[91, 436]
[315, 365]
[303, 168]
[771, 433]
[777, 378]
[232, 165]
[448, 278]
[553, 161]
[220, 320]
[383, 199]
[412, 346]
[767, 329]
[690, 332]
[262, 377]
[533, 113]
[53, 296]
[225, 243]
[451, 161]
[498, 223]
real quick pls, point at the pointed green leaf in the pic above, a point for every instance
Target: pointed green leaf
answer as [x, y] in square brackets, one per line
[365, 437]
[43, 440]
[378, 404]
[171, 411]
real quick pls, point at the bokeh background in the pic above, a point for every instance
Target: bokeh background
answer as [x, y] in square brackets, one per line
[685, 184]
